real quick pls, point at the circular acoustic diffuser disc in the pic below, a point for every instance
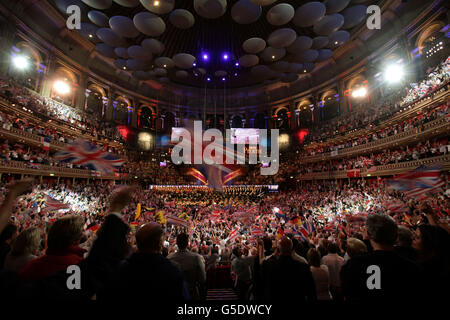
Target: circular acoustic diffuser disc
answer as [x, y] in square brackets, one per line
[181, 74]
[289, 77]
[338, 38]
[63, 4]
[134, 64]
[122, 52]
[210, 9]
[149, 24]
[319, 42]
[280, 14]
[295, 68]
[261, 71]
[183, 60]
[154, 46]
[139, 53]
[164, 62]
[98, 18]
[249, 60]
[110, 37]
[254, 45]
[245, 12]
[335, 6]
[302, 43]
[354, 16]
[324, 54]
[141, 75]
[123, 26]
[98, 4]
[263, 2]
[309, 13]
[273, 54]
[127, 3]
[280, 66]
[105, 50]
[307, 56]
[308, 67]
[182, 19]
[158, 7]
[120, 63]
[160, 72]
[329, 24]
[88, 31]
[282, 38]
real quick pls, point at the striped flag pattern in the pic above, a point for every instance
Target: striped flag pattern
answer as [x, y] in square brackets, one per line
[53, 205]
[177, 221]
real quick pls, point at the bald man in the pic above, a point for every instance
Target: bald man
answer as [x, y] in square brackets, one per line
[147, 275]
[286, 278]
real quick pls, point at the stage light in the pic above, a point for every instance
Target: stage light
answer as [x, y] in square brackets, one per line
[205, 56]
[156, 3]
[20, 62]
[225, 56]
[393, 73]
[194, 64]
[237, 64]
[61, 87]
[283, 140]
[223, 79]
[208, 79]
[273, 57]
[360, 92]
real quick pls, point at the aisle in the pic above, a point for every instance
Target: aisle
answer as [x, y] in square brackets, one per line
[221, 294]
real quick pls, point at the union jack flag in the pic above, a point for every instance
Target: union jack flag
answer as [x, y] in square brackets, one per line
[233, 234]
[257, 231]
[417, 183]
[52, 204]
[177, 221]
[85, 154]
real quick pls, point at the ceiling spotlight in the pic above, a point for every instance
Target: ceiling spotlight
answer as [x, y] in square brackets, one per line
[165, 66]
[336, 42]
[156, 3]
[359, 93]
[194, 64]
[223, 79]
[124, 68]
[304, 71]
[61, 87]
[225, 56]
[273, 57]
[237, 64]
[20, 62]
[208, 79]
[196, 74]
[235, 74]
[393, 73]
[205, 56]
[90, 36]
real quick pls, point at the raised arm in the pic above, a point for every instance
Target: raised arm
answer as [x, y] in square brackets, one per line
[17, 189]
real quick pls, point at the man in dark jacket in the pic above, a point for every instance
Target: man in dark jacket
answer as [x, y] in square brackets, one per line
[287, 279]
[147, 275]
[382, 274]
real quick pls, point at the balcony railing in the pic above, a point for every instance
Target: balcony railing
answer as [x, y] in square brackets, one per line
[435, 98]
[384, 170]
[19, 167]
[428, 129]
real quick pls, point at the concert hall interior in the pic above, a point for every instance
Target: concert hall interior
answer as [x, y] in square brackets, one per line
[207, 151]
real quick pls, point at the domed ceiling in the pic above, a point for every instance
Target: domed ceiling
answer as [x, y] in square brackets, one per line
[234, 43]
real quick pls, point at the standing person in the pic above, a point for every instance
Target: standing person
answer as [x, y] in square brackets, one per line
[240, 266]
[381, 275]
[191, 264]
[25, 249]
[334, 263]
[286, 278]
[146, 276]
[7, 237]
[320, 275]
